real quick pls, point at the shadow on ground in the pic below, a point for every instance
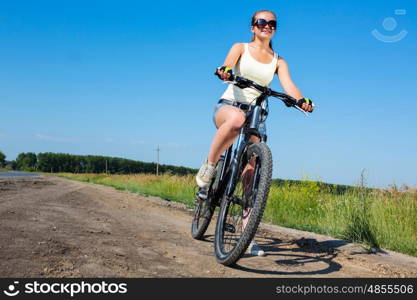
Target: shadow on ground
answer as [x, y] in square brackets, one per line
[294, 254]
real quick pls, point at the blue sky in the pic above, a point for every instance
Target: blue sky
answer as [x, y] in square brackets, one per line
[118, 78]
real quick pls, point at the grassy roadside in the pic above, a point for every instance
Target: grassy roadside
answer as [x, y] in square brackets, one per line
[169, 187]
[386, 219]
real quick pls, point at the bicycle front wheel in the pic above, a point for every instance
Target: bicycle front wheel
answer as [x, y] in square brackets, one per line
[240, 215]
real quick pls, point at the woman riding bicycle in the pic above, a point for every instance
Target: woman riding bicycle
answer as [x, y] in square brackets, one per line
[255, 61]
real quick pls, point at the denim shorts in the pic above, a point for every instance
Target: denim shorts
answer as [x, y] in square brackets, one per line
[262, 126]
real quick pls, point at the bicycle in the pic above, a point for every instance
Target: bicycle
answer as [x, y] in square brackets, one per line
[240, 195]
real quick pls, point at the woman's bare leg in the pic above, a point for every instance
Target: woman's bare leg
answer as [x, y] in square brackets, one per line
[247, 181]
[229, 120]
[247, 177]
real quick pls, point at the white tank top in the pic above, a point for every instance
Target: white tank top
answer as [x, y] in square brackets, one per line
[248, 67]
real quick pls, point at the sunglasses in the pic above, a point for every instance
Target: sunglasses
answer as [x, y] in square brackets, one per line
[261, 23]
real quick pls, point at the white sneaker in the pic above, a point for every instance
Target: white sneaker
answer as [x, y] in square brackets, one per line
[254, 249]
[205, 175]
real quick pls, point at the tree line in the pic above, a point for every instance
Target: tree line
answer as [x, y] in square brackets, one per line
[62, 162]
[2, 160]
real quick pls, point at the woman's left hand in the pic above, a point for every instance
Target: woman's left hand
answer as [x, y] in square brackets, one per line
[305, 104]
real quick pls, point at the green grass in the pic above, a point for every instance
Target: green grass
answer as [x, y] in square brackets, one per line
[376, 218]
[169, 187]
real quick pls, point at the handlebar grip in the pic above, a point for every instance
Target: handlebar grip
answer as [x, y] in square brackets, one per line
[300, 102]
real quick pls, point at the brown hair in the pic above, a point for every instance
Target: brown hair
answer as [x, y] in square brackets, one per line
[254, 20]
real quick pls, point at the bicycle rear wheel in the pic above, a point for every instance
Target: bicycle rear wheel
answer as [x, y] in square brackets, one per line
[204, 208]
[203, 212]
[240, 215]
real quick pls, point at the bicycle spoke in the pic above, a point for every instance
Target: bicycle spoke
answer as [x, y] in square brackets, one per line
[234, 219]
[203, 211]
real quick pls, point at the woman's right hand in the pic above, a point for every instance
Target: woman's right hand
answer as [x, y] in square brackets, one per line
[224, 73]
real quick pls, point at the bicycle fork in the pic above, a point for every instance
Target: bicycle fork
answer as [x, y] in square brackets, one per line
[234, 165]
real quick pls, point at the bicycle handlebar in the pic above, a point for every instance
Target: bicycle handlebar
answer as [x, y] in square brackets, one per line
[245, 83]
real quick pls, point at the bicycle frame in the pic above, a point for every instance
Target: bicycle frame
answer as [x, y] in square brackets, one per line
[231, 163]
[229, 172]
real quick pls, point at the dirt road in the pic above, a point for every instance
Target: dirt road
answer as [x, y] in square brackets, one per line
[53, 227]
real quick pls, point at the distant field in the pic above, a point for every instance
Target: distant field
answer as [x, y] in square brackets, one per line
[376, 218]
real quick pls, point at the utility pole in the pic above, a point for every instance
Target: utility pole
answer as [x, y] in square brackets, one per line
[157, 161]
[106, 166]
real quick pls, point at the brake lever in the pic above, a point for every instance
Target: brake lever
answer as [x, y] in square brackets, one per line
[302, 110]
[229, 81]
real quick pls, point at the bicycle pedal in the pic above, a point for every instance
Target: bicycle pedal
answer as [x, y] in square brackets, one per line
[202, 194]
[229, 228]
